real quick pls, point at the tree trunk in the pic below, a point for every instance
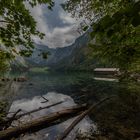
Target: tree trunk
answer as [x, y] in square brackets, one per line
[8, 121]
[38, 123]
[80, 117]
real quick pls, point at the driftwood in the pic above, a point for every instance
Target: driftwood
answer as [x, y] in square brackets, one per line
[80, 117]
[9, 121]
[38, 109]
[37, 123]
[46, 100]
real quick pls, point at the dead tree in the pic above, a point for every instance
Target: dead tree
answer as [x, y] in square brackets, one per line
[80, 117]
[38, 123]
[8, 121]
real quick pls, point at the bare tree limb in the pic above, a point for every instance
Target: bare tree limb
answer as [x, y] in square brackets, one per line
[38, 109]
[80, 117]
[46, 100]
[10, 120]
[40, 122]
[4, 21]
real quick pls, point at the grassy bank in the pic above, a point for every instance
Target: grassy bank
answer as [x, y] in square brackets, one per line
[39, 69]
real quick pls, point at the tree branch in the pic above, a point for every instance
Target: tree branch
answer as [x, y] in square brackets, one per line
[46, 100]
[80, 117]
[4, 21]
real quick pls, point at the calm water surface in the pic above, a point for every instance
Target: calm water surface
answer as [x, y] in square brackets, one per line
[70, 87]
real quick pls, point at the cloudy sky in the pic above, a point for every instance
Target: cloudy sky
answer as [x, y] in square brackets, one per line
[59, 27]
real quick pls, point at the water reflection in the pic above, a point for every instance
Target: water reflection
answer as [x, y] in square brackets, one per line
[83, 88]
[40, 83]
[50, 133]
[106, 79]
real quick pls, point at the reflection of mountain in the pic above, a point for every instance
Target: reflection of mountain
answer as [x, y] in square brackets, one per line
[74, 57]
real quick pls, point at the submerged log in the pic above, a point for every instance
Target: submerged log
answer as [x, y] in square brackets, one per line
[80, 117]
[7, 123]
[36, 110]
[37, 123]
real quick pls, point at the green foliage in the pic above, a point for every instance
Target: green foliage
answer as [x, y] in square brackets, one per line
[45, 55]
[4, 58]
[85, 28]
[17, 27]
[3, 105]
[119, 37]
[116, 30]
[26, 53]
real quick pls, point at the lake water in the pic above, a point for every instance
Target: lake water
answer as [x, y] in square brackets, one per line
[73, 88]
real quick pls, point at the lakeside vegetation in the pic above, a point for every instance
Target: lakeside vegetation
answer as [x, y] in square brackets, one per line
[115, 31]
[39, 69]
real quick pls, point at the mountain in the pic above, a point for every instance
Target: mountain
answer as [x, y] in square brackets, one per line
[37, 58]
[73, 57]
[77, 56]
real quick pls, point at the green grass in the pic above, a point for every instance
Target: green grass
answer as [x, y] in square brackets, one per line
[39, 69]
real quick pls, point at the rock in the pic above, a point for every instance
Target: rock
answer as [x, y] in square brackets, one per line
[5, 79]
[20, 79]
[30, 84]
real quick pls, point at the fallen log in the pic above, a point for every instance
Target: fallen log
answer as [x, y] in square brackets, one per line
[38, 109]
[8, 121]
[37, 123]
[80, 117]
[16, 117]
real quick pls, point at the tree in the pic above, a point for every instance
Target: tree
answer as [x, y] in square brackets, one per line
[4, 58]
[17, 27]
[115, 30]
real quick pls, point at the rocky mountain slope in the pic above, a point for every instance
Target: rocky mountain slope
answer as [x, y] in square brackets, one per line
[73, 57]
[77, 56]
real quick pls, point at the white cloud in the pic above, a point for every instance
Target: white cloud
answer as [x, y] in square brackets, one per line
[37, 13]
[60, 37]
[57, 36]
[66, 18]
